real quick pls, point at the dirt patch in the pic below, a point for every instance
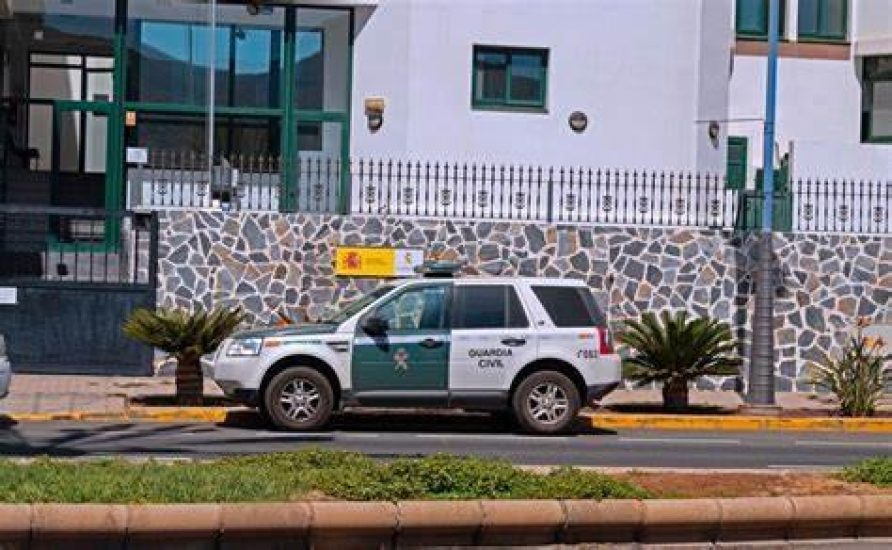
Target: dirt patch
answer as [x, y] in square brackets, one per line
[727, 485]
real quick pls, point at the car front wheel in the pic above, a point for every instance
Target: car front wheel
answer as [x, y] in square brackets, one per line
[299, 399]
[546, 402]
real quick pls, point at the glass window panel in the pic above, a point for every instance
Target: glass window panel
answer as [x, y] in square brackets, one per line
[170, 41]
[527, 78]
[881, 110]
[99, 86]
[95, 135]
[323, 56]
[100, 62]
[492, 76]
[40, 134]
[310, 71]
[69, 140]
[413, 310]
[234, 136]
[836, 18]
[52, 59]
[55, 83]
[809, 17]
[752, 16]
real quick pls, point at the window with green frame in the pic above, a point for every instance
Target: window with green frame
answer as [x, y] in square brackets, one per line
[737, 162]
[876, 115]
[509, 78]
[823, 19]
[751, 20]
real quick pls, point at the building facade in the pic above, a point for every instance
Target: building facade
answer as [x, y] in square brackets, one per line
[99, 95]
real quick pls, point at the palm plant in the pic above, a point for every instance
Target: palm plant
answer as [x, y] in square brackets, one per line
[859, 376]
[185, 336]
[675, 350]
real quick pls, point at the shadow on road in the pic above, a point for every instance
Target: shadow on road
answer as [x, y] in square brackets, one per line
[403, 421]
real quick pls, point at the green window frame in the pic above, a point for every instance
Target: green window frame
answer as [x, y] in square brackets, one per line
[823, 20]
[751, 19]
[511, 61]
[876, 87]
[737, 162]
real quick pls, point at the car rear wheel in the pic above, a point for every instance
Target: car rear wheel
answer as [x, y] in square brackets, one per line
[546, 402]
[299, 399]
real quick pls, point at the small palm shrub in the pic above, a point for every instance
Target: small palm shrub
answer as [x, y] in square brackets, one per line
[185, 336]
[674, 349]
[858, 376]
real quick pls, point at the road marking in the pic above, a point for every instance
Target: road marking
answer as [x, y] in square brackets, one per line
[870, 444]
[350, 435]
[695, 441]
[501, 437]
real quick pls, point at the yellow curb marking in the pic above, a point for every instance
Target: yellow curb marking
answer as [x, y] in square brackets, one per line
[738, 423]
[602, 421]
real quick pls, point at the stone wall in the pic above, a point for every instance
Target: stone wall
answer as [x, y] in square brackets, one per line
[271, 262]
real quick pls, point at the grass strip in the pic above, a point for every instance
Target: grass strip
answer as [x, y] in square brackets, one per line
[305, 474]
[877, 471]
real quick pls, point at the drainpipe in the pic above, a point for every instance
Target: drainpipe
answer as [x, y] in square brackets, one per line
[761, 372]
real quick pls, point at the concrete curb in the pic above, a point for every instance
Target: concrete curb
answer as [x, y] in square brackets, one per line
[605, 421]
[711, 423]
[387, 525]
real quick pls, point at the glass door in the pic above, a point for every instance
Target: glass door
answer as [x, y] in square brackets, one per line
[82, 154]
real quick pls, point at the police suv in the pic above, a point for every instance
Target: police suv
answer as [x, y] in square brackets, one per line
[537, 347]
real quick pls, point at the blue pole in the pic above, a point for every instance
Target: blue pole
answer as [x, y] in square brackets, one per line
[760, 393]
[770, 113]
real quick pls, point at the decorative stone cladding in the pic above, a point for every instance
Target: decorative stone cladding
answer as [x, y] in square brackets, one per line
[285, 262]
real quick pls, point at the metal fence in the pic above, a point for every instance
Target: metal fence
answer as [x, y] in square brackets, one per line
[68, 245]
[571, 195]
[173, 180]
[176, 180]
[842, 206]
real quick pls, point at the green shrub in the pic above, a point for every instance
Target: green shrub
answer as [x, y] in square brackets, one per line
[858, 377]
[185, 336]
[676, 350]
[297, 475]
[877, 471]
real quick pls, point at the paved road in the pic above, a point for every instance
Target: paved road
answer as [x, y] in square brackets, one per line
[388, 436]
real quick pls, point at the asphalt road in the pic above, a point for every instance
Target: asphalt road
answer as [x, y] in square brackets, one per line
[387, 436]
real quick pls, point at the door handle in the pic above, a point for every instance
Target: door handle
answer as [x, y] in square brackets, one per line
[430, 343]
[514, 342]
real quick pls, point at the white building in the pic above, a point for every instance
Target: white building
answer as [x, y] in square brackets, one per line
[300, 87]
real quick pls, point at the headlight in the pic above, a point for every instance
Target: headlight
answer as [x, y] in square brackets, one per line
[245, 347]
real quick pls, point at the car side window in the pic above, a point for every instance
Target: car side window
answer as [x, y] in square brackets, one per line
[488, 306]
[422, 308]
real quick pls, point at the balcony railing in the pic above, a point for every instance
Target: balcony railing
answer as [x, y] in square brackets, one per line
[504, 192]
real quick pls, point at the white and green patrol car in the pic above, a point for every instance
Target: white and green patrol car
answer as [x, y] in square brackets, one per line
[537, 347]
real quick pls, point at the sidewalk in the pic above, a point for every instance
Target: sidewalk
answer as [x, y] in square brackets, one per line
[55, 394]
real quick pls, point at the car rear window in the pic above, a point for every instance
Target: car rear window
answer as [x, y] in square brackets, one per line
[569, 306]
[488, 306]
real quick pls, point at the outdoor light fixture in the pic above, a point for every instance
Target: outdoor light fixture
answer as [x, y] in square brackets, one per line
[714, 131]
[374, 112]
[578, 121]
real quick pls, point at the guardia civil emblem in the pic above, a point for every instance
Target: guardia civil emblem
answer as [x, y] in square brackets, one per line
[401, 360]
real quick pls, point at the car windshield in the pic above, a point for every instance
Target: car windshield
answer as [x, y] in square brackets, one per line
[358, 305]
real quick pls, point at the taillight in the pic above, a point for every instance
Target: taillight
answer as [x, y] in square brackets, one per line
[605, 343]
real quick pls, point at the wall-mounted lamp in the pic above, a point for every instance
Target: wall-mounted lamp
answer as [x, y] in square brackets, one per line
[714, 131]
[578, 121]
[374, 112]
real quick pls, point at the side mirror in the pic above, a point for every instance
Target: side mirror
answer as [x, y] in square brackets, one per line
[375, 326]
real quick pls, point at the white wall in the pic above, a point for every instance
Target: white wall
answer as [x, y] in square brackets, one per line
[818, 101]
[637, 68]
